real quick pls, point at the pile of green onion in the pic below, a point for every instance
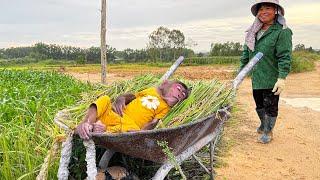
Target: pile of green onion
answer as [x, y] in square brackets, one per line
[205, 99]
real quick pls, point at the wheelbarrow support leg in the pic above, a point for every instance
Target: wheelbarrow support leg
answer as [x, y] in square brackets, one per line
[167, 166]
[213, 145]
[104, 161]
[212, 173]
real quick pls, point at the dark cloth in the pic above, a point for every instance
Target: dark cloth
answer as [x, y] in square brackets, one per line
[276, 46]
[265, 99]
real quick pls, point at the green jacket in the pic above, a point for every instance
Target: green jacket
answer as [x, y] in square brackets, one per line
[276, 46]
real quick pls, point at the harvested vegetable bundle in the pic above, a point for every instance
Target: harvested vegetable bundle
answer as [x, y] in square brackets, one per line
[205, 98]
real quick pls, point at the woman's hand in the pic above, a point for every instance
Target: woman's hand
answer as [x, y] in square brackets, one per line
[279, 86]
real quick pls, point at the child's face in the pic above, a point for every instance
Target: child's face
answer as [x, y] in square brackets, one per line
[177, 93]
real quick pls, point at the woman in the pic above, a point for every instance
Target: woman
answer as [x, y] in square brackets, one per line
[270, 35]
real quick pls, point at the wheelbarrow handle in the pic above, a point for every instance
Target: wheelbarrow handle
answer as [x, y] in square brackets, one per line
[172, 69]
[243, 73]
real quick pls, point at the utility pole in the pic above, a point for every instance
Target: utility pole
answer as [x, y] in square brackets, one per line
[103, 41]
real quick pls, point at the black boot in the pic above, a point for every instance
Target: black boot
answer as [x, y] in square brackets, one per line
[269, 124]
[261, 113]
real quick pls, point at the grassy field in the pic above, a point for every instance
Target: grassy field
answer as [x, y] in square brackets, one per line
[28, 103]
[31, 94]
[302, 61]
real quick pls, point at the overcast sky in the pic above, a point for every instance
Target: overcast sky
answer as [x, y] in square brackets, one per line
[77, 22]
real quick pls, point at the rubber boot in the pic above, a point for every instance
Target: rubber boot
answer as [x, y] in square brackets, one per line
[267, 135]
[261, 113]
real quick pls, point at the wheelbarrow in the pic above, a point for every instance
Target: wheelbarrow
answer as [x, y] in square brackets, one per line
[184, 140]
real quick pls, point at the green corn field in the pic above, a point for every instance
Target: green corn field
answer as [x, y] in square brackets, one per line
[30, 99]
[28, 102]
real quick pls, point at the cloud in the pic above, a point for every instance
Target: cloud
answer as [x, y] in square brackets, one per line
[75, 22]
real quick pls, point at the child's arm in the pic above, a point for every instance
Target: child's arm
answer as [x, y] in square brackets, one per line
[84, 128]
[121, 102]
[150, 125]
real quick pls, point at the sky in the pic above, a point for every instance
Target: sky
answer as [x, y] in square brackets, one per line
[129, 22]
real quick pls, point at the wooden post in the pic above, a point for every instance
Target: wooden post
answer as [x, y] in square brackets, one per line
[103, 41]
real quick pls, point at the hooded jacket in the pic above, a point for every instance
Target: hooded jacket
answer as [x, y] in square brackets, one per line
[276, 45]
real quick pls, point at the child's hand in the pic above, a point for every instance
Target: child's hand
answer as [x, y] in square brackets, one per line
[98, 127]
[119, 105]
[84, 130]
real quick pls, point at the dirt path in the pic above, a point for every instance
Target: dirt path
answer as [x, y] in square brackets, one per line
[189, 72]
[295, 151]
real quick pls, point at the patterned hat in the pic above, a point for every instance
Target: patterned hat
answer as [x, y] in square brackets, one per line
[254, 8]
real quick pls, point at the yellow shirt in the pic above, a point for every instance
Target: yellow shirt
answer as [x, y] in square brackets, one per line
[147, 106]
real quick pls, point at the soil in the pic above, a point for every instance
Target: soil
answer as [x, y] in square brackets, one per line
[295, 151]
[189, 72]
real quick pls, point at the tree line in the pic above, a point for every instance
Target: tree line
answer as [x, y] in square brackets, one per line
[42, 51]
[163, 45]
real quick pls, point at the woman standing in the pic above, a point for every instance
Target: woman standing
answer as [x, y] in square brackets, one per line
[270, 35]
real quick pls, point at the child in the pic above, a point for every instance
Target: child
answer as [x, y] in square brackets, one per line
[130, 112]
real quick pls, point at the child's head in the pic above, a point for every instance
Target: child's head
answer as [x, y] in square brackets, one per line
[173, 91]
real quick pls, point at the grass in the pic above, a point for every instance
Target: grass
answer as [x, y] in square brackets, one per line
[303, 61]
[28, 103]
[227, 141]
[29, 100]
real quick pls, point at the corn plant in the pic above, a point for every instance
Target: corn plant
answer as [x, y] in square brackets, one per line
[28, 103]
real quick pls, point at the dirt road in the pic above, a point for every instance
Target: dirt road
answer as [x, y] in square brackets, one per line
[295, 151]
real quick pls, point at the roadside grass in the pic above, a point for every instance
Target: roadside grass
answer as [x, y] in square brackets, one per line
[28, 103]
[227, 140]
[304, 61]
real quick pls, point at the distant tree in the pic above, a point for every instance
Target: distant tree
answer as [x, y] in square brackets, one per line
[177, 41]
[299, 47]
[159, 39]
[302, 47]
[2, 54]
[191, 43]
[310, 49]
[81, 59]
[93, 55]
[111, 53]
[226, 49]
[200, 54]
[187, 52]
[16, 52]
[165, 43]
[40, 51]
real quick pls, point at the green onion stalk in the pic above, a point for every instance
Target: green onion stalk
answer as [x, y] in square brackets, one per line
[205, 99]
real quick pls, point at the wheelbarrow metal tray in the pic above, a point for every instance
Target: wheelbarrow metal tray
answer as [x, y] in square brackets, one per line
[143, 144]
